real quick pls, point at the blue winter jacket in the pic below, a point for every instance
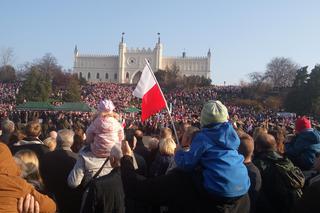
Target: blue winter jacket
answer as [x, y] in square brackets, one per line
[215, 149]
[303, 148]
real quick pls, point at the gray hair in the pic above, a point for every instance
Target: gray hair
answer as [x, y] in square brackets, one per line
[7, 126]
[65, 138]
[116, 152]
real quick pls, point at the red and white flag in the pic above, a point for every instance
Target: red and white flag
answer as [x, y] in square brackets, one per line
[151, 94]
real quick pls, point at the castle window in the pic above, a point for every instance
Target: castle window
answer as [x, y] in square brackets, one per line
[115, 76]
[107, 75]
[127, 75]
[98, 75]
[89, 75]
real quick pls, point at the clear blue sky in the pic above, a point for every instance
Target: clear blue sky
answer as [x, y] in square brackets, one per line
[244, 35]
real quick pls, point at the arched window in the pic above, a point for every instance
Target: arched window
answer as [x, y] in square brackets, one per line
[80, 74]
[127, 75]
[115, 76]
[89, 75]
[107, 76]
[98, 75]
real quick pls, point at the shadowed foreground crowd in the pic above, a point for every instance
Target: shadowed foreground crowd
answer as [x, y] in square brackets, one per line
[220, 165]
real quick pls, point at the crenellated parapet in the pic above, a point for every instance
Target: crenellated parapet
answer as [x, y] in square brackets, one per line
[140, 50]
[96, 55]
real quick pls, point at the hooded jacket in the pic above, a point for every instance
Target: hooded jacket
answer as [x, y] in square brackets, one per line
[13, 187]
[102, 134]
[303, 148]
[214, 148]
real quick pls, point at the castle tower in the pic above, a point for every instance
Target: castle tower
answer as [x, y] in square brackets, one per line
[208, 63]
[158, 49]
[122, 51]
[75, 54]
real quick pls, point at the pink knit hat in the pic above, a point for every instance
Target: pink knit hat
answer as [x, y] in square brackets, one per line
[106, 105]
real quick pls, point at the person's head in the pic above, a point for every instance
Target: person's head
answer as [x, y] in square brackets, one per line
[188, 135]
[130, 137]
[213, 112]
[30, 170]
[280, 135]
[181, 129]
[53, 134]
[33, 129]
[258, 131]
[7, 127]
[78, 140]
[246, 147]
[167, 146]
[16, 136]
[65, 138]
[138, 134]
[106, 106]
[51, 143]
[165, 133]
[115, 156]
[265, 142]
[28, 156]
[302, 123]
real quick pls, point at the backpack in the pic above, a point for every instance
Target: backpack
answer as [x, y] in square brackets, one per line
[285, 183]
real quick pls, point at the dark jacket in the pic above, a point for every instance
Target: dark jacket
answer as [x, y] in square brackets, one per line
[276, 195]
[309, 202]
[142, 165]
[106, 194]
[54, 170]
[142, 151]
[255, 180]
[160, 165]
[176, 190]
[303, 148]
[33, 144]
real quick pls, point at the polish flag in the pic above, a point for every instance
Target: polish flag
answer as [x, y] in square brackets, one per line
[150, 92]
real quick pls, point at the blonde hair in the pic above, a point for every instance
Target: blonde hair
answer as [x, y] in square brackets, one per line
[28, 156]
[166, 133]
[167, 146]
[51, 143]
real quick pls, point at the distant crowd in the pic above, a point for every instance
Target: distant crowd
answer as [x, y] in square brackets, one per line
[225, 158]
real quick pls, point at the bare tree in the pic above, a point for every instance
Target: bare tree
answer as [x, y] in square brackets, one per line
[281, 72]
[6, 56]
[256, 78]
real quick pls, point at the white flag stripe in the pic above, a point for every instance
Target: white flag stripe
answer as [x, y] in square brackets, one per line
[145, 83]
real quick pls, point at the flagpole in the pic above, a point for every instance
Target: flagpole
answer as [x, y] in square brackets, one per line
[172, 123]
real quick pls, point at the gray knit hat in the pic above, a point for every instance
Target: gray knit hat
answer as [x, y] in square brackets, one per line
[213, 112]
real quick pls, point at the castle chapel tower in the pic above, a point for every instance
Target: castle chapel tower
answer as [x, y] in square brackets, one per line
[122, 51]
[158, 54]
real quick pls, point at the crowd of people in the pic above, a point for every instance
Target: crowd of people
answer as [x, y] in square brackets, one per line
[225, 158]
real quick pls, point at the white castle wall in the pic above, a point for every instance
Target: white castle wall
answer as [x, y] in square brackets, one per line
[105, 68]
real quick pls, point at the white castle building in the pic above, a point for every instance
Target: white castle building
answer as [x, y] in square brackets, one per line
[126, 67]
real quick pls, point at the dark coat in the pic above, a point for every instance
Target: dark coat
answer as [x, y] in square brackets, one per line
[142, 165]
[54, 170]
[309, 202]
[32, 144]
[176, 190]
[304, 148]
[160, 165]
[106, 194]
[255, 180]
[142, 151]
